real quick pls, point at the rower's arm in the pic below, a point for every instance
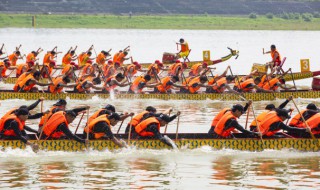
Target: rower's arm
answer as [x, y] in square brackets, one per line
[179, 86]
[119, 83]
[35, 116]
[281, 106]
[62, 127]
[30, 129]
[15, 127]
[231, 90]
[233, 122]
[154, 129]
[79, 109]
[103, 127]
[152, 85]
[288, 128]
[34, 105]
[261, 89]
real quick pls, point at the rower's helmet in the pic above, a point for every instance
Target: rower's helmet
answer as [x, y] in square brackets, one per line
[114, 116]
[270, 107]
[18, 52]
[147, 77]
[89, 53]
[22, 111]
[61, 102]
[184, 65]
[53, 52]
[237, 107]
[110, 62]
[97, 80]
[151, 109]
[176, 78]
[178, 61]
[205, 64]
[89, 61]
[34, 52]
[160, 65]
[117, 64]
[31, 63]
[7, 62]
[72, 52]
[110, 108]
[283, 113]
[165, 118]
[181, 40]
[53, 63]
[157, 62]
[282, 81]
[312, 106]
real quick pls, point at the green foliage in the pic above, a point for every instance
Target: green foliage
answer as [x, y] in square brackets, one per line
[269, 15]
[307, 17]
[253, 15]
[316, 15]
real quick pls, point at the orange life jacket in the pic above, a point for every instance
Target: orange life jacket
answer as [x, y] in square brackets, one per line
[263, 81]
[156, 69]
[313, 122]
[20, 78]
[81, 87]
[47, 58]
[133, 68]
[259, 118]
[53, 122]
[10, 132]
[140, 128]
[212, 80]
[30, 57]
[219, 85]
[11, 111]
[174, 68]
[278, 59]
[49, 70]
[101, 59]
[95, 115]
[120, 58]
[85, 58]
[135, 84]
[22, 84]
[87, 69]
[3, 72]
[80, 59]
[101, 118]
[54, 88]
[163, 88]
[220, 127]
[67, 58]
[66, 69]
[108, 87]
[110, 71]
[115, 57]
[194, 69]
[244, 85]
[192, 89]
[272, 85]
[20, 68]
[184, 47]
[270, 118]
[47, 116]
[217, 118]
[296, 120]
[13, 59]
[137, 119]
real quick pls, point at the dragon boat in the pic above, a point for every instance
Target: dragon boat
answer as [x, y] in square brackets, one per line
[184, 141]
[8, 94]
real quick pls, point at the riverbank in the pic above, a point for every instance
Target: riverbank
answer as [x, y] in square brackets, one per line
[201, 22]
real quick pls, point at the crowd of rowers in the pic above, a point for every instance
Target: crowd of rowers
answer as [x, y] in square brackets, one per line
[54, 123]
[101, 73]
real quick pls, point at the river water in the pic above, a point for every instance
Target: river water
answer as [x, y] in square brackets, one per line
[202, 168]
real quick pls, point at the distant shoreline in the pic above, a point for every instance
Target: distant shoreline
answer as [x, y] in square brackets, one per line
[196, 22]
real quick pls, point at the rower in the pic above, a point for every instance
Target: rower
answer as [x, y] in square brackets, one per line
[105, 67]
[86, 85]
[166, 85]
[268, 108]
[184, 49]
[150, 111]
[69, 70]
[1, 53]
[177, 68]
[24, 67]
[60, 105]
[121, 57]
[84, 57]
[314, 124]
[310, 110]
[155, 67]
[32, 56]
[249, 85]
[114, 81]
[195, 84]
[106, 110]
[275, 83]
[87, 70]
[28, 82]
[217, 118]
[47, 69]
[57, 126]
[112, 70]
[59, 83]
[116, 55]
[101, 126]
[132, 69]
[69, 57]
[140, 83]
[13, 127]
[216, 78]
[222, 84]
[273, 122]
[276, 58]
[49, 56]
[150, 128]
[13, 58]
[6, 64]
[102, 57]
[198, 68]
[228, 123]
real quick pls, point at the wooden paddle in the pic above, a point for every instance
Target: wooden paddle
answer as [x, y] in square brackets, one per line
[130, 128]
[88, 128]
[177, 127]
[258, 125]
[79, 123]
[304, 121]
[248, 111]
[165, 129]
[294, 83]
[120, 126]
